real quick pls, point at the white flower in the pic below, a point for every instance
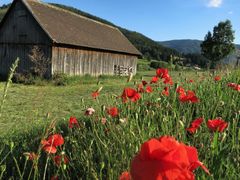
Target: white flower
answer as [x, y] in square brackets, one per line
[89, 111]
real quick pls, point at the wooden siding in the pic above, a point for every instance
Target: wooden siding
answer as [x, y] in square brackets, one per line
[21, 27]
[18, 34]
[9, 53]
[79, 62]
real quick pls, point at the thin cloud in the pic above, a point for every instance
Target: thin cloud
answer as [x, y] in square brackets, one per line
[230, 12]
[215, 3]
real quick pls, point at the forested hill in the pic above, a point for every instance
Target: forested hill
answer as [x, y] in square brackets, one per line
[149, 48]
[186, 46]
[3, 10]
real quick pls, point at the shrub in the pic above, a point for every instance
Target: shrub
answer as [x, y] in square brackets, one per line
[60, 79]
[27, 79]
[143, 65]
[177, 67]
[158, 64]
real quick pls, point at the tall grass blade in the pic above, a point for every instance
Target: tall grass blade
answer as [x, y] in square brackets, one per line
[9, 80]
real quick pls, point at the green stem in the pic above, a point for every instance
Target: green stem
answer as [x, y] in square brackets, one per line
[11, 73]
[215, 144]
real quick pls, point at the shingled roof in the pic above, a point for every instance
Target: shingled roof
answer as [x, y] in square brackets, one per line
[65, 27]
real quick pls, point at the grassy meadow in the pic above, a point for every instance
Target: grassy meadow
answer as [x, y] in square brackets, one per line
[102, 146]
[30, 106]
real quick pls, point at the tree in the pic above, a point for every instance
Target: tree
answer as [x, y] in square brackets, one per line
[219, 44]
[39, 60]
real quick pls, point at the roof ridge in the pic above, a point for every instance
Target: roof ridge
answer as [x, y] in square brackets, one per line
[70, 12]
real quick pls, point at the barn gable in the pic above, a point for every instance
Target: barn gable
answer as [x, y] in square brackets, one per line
[19, 26]
[19, 32]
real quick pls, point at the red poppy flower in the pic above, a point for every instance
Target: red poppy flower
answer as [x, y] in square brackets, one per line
[234, 86]
[162, 73]
[144, 83]
[195, 125]
[52, 142]
[180, 90]
[50, 149]
[113, 111]
[154, 80]
[188, 97]
[217, 78]
[165, 158]
[56, 140]
[168, 80]
[73, 122]
[237, 88]
[59, 159]
[165, 91]
[95, 94]
[125, 176]
[140, 88]
[217, 125]
[191, 81]
[131, 94]
[31, 156]
[149, 89]
[54, 178]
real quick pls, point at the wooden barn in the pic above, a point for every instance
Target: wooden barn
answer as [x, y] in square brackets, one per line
[73, 44]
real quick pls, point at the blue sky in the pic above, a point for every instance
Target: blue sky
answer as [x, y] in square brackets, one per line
[163, 19]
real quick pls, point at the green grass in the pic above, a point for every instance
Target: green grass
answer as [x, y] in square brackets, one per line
[98, 151]
[28, 106]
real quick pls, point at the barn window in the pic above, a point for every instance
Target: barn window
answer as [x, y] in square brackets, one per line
[123, 70]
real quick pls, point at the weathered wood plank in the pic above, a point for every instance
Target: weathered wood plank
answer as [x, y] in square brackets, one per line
[80, 62]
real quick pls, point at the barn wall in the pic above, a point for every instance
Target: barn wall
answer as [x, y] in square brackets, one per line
[79, 62]
[18, 34]
[10, 52]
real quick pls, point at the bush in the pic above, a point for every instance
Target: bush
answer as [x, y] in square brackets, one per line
[143, 65]
[158, 64]
[177, 67]
[27, 79]
[60, 79]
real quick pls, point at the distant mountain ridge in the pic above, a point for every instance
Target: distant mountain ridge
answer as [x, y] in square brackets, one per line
[186, 46]
[190, 46]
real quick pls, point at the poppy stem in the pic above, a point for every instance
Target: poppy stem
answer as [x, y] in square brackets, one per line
[45, 169]
[215, 144]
